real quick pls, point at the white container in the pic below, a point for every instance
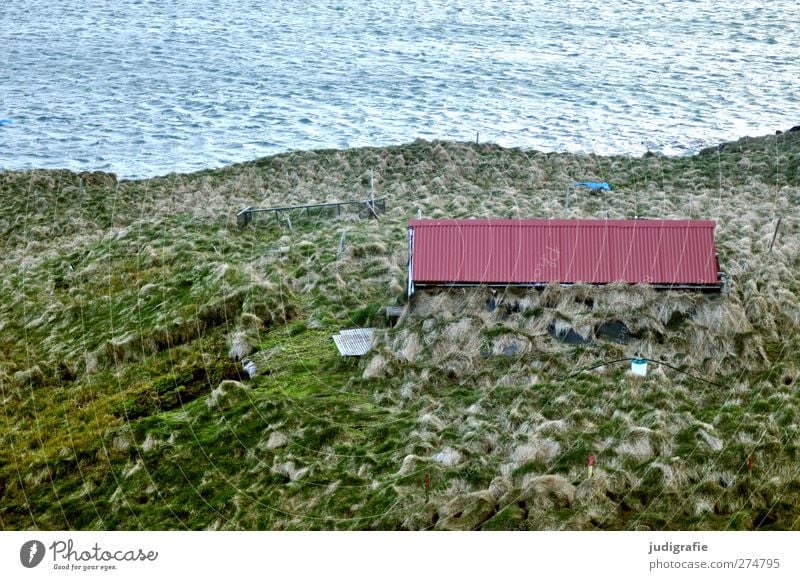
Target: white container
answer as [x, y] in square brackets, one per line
[639, 367]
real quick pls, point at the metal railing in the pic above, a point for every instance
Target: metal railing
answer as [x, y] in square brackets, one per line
[367, 207]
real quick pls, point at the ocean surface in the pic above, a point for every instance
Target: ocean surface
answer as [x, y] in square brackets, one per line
[149, 87]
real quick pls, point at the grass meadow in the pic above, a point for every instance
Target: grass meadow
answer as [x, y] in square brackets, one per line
[127, 307]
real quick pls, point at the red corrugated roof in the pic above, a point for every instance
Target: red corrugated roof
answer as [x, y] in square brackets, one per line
[658, 252]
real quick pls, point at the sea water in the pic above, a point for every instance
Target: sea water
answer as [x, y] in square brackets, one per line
[146, 87]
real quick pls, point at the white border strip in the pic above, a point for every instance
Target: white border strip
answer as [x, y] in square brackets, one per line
[371, 555]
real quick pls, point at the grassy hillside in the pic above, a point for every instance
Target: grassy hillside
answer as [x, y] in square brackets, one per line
[125, 308]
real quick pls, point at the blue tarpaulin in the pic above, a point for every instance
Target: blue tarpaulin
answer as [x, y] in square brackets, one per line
[593, 186]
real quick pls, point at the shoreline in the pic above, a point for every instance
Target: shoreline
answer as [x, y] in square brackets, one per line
[527, 150]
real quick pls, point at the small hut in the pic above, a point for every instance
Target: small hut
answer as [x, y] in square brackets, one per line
[667, 254]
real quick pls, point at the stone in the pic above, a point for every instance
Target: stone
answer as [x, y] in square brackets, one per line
[276, 439]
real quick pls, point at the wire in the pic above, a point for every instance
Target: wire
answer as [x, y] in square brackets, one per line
[619, 360]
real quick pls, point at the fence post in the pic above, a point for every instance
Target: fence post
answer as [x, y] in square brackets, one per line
[774, 235]
[244, 217]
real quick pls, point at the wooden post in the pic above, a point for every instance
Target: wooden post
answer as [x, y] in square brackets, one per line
[774, 235]
[372, 192]
[477, 134]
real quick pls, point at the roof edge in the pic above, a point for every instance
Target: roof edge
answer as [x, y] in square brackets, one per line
[629, 223]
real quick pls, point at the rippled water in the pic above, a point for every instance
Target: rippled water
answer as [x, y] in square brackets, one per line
[144, 88]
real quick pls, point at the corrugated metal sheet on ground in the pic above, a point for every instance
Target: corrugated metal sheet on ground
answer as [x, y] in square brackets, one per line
[663, 252]
[354, 341]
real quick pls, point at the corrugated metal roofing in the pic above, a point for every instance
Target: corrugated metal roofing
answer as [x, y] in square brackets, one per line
[658, 252]
[354, 342]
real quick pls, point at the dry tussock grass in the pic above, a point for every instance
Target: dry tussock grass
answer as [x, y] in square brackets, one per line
[491, 388]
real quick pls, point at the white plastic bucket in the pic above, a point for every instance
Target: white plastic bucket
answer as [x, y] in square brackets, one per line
[639, 367]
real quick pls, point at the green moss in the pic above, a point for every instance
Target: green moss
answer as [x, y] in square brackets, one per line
[529, 467]
[511, 517]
